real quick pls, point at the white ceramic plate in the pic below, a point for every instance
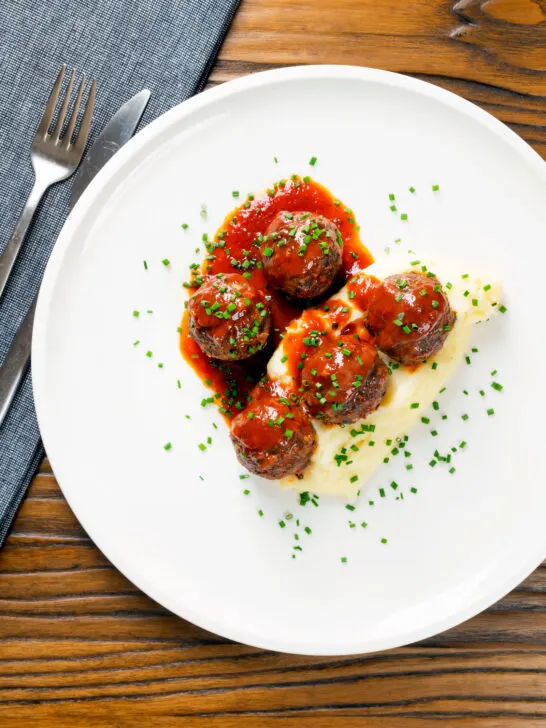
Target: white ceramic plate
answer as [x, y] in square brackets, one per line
[106, 410]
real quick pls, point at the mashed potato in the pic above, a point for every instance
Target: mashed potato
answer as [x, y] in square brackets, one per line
[395, 417]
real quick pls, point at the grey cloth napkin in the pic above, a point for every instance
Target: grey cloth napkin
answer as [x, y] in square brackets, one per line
[167, 46]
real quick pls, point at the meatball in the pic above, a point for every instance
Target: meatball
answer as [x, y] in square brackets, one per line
[273, 437]
[410, 317]
[301, 253]
[344, 379]
[229, 317]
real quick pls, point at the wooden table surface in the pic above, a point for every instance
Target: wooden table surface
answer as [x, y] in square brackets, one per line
[80, 645]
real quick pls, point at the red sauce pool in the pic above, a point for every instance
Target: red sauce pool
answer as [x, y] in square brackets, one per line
[231, 381]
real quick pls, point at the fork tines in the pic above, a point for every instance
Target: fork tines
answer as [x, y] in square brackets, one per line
[66, 140]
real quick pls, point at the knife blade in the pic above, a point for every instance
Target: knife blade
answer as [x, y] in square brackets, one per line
[115, 134]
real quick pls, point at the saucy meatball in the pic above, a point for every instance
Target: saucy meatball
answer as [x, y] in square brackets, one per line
[301, 253]
[229, 317]
[410, 317]
[273, 437]
[344, 380]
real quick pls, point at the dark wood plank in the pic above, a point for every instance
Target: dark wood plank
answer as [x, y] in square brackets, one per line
[81, 646]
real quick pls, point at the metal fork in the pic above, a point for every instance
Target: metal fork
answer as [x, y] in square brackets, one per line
[54, 158]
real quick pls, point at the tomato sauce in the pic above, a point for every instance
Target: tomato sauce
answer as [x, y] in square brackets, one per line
[232, 250]
[315, 325]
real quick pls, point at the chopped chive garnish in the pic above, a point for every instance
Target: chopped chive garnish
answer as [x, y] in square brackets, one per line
[435, 188]
[497, 386]
[166, 261]
[384, 540]
[313, 161]
[403, 216]
[168, 446]
[343, 559]
[490, 412]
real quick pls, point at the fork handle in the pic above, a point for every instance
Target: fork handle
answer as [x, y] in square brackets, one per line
[8, 257]
[16, 362]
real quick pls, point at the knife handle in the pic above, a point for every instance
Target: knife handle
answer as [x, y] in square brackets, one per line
[16, 362]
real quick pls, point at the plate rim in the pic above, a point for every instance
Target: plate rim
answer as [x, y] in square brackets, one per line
[320, 646]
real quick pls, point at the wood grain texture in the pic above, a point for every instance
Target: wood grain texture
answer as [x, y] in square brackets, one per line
[81, 646]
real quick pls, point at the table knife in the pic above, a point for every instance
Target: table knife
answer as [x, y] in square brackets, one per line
[115, 134]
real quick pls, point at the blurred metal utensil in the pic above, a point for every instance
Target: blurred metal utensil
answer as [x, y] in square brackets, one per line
[54, 158]
[115, 134]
